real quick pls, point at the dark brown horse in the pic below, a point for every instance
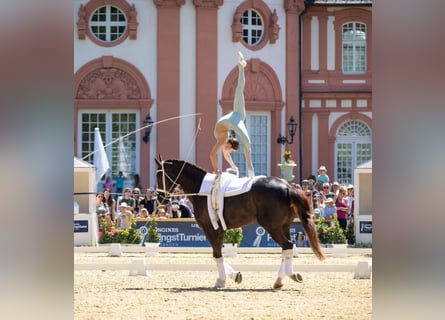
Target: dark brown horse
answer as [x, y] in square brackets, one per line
[271, 202]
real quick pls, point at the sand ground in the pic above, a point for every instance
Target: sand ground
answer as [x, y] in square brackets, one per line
[108, 294]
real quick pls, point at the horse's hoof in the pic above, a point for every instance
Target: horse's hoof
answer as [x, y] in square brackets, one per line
[220, 284]
[238, 277]
[277, 285]
[297, 277]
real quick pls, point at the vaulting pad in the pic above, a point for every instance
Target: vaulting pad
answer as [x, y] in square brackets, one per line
[229, 185]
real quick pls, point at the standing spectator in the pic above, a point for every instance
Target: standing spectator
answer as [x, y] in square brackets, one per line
[149, 201]
[108, 183]
[350, 197]
[137, 199]
[335, 186]
[111, 203]
[137, 182]
[341, 202]
[120, 180]
[102, 210]
[129, 201]
[326, 193]
[322, 175]
[304, 184]
[296, 186]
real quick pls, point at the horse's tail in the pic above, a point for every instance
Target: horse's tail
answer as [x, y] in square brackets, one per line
[300, 205]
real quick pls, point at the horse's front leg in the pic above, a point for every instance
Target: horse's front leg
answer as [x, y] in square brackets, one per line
[224, 269]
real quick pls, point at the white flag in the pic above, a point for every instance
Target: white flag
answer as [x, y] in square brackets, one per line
[100, 157]
[123, 159]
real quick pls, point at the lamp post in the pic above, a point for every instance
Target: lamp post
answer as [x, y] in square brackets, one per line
[287, 166]
[291, 128]
[147, 122]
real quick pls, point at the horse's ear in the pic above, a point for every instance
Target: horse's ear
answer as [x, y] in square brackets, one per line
[158, 160]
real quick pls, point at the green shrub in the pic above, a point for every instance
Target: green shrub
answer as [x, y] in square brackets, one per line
[233, 236]
[328, 234]
[153, 234]
[115, 235]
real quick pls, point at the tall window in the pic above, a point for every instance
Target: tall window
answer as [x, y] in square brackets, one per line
[121, 153]
[108, 23]
[353, 148]
[258, 125]
[354, 47]
[253, 27]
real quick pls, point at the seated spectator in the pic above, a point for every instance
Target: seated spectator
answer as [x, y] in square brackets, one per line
[161, 213]
[149, 201]
[316, 208]
[125, 215]
[143, 214]
[128, 199]
[329, 209]
[301, 240]
[173, 207]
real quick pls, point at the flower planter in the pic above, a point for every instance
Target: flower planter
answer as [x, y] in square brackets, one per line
[287, 171]
[230, 250]
[151, 249]
[339, 250]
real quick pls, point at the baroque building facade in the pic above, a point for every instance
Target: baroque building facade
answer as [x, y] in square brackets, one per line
[174, 63]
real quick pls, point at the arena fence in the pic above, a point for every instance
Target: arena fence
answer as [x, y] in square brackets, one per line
[362, 270]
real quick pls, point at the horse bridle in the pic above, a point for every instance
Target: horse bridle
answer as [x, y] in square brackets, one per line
[167, 193]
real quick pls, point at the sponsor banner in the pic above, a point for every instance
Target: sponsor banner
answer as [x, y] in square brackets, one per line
[80, 226]
[180, 233]
[365, 227]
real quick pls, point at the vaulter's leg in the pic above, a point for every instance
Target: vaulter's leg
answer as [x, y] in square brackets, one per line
[286, 269]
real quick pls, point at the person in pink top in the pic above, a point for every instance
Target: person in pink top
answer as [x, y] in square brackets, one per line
[342, 204]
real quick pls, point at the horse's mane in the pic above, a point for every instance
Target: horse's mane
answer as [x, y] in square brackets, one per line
[183, 162]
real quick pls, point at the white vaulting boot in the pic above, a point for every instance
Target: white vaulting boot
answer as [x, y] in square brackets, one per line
[221, 280]
[287, 269]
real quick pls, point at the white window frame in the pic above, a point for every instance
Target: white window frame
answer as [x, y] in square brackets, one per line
[106, 129]
[259, 145]
[251, 28]
[108, 24]
[353, 139]
[356, 45]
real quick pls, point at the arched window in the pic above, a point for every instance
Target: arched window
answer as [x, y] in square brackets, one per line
[353, 147]
[354, 47]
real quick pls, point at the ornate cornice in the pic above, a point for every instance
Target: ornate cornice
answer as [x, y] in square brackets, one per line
[208, 3]
[294, 6]
[168, 3]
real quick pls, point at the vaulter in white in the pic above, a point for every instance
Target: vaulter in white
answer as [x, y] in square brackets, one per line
[233, 121]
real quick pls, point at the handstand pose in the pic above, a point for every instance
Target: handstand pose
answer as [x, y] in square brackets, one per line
[233, 121]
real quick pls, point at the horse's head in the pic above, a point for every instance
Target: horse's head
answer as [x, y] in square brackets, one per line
[173, 172]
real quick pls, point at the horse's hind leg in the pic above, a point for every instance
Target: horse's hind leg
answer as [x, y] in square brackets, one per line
[286, 269]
